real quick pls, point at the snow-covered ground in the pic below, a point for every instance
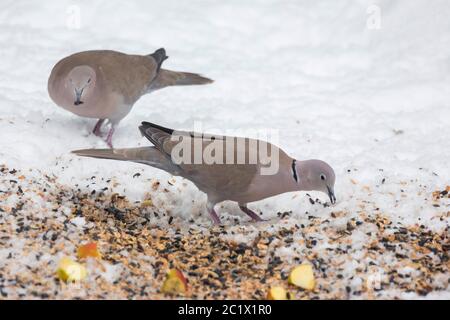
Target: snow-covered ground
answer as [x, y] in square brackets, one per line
[371, 97]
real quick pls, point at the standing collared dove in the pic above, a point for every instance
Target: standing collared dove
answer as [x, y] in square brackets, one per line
[239, 182]
[105, 84]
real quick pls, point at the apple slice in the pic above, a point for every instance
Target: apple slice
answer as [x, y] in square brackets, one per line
[175, 283]
[146, 203]
[277, 293]
[89, 250]
[302, 276]
[70, 271]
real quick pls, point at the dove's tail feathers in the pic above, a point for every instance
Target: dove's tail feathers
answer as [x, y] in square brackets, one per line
[159, 56]
[157, 135]
[146, 155]
[149, 125]
[188, 79]
[166, 78]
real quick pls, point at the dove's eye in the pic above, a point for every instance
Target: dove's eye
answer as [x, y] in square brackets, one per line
[89, 80]
[322, 177]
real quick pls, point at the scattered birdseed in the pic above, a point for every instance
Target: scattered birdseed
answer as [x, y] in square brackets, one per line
[369, 257]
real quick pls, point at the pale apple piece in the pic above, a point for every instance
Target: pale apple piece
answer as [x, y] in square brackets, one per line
[277, 293]
[70, 271]
[175, 283]
[303, 276]
[147, 203]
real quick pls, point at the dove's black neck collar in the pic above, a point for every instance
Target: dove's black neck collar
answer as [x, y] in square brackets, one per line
[294, 171]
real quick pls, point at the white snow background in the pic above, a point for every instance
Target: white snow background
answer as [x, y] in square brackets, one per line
[374, 103]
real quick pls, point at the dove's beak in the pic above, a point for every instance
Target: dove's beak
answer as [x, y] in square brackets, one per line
[78, 94]
[331, 195]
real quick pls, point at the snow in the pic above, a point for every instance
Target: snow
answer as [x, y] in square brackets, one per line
[374, 103]
[78, 221]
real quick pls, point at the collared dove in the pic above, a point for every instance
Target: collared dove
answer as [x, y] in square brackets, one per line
[242, 182]
[105, 84]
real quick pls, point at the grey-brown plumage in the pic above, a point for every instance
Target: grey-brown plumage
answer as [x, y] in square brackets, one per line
[242, 183]
[105, 84]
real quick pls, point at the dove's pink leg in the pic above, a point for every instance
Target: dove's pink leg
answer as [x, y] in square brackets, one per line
[109, 137]
[250, 213]
[214, 217]
[213, 214]
[97, 127]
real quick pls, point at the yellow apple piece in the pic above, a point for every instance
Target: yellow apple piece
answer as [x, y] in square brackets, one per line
[302, 276]
[147, 203]
[70, 271]
[277, 293]
[175, 283]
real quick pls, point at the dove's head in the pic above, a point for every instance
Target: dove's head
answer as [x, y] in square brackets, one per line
[81, 83]
[317, 175]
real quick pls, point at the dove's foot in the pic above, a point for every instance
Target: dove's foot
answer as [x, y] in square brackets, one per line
[250, 213]
[109, 137]
[97, 127]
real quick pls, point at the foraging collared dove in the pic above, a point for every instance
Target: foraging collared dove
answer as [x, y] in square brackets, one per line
[105, 84]
[242, 182]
